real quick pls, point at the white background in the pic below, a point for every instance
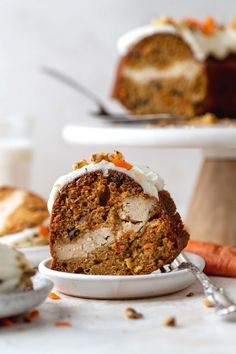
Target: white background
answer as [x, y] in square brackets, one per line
[79, 37]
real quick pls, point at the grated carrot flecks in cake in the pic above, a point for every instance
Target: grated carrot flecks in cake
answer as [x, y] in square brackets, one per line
[113, 223]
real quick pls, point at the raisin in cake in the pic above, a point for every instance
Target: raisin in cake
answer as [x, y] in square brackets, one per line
[23, 218]
[111, 217]
[182, 67]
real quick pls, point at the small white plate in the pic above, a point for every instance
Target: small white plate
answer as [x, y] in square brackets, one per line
[121, 287]
[17, 303]
[35, 254]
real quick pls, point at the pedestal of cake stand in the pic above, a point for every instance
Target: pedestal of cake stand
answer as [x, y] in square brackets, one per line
[212, 211]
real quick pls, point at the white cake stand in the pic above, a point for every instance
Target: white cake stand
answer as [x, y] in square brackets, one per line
[212, 211]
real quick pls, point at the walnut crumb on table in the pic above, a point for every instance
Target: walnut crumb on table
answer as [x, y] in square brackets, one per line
[190, 294]
[170, 321]
[132, 314]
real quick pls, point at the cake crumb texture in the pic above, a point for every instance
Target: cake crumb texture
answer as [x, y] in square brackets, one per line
[106, 224]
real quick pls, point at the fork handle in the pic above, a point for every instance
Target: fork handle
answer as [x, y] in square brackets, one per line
[216, 294]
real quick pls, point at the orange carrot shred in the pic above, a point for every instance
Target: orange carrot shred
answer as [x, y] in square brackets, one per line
[62, 324]
[7, 322]
[43, 230]
[54, 296]
[192, 22]
[34, 314]
[122, 164]
[208, 25]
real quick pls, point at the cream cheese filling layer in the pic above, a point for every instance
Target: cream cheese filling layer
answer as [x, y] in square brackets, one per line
[86, 244]
[134, 213]
[150, 181]
[187, 69]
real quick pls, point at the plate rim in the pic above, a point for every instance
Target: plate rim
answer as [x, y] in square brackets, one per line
[46, 271]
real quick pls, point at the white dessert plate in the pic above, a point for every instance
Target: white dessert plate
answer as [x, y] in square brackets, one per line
[17, 303]
[121, 287]
[35, 254]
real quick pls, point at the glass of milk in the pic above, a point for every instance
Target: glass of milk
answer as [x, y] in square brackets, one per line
[15, 151]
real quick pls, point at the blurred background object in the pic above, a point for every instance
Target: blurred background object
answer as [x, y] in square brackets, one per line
[79, 37]
[15, 150]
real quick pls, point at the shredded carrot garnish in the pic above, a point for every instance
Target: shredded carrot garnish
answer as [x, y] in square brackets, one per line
[34, 314]
[122, 164]
[54, 296]
[208, 25]
[7, 322]
[192, 22]
[30, 316]
[62, 324]
[43, 230]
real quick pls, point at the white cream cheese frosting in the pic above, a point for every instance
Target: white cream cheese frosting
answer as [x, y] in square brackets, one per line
[218, 44]
[150, 181]
[12, 268]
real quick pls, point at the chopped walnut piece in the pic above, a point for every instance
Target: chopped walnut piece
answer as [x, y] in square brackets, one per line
[170, 321]
[164, 20]
[128, 262]
[80, 164]
[192, 23]
[208, 303]
[96, 158]
[132, 314]
[116, 155]
[190, 294]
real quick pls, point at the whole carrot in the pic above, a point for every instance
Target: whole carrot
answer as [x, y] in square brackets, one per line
[220, 260]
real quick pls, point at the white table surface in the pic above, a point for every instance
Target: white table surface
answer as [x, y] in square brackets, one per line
[101, 327]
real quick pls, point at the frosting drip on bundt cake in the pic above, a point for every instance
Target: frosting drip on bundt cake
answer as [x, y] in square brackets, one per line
[111, 217]
[167, 67]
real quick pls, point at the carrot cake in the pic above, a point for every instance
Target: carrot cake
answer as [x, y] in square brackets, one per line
[15, 271]
[112, 217]
[182, 67]
[23, 218]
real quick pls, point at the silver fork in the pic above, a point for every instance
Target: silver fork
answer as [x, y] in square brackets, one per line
[225, 307]
[102, 111]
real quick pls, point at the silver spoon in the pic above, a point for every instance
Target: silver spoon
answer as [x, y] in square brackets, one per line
[102, 110]
[225, 307]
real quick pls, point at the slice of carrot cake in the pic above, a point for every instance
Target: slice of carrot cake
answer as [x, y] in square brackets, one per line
[23, 218]
[112, 217]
